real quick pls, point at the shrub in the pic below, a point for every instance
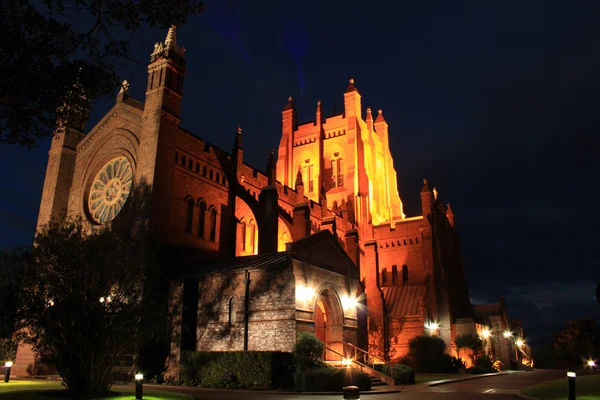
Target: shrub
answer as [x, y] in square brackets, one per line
[308, 352]
[236, 369]
[428, 354]
[334, 379]
[8, 350]
[483, 365]
[402, 374]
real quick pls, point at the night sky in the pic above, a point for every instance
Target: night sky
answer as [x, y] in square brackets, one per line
[498, 105]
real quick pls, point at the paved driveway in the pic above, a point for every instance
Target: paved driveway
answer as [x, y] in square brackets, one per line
[501, 387]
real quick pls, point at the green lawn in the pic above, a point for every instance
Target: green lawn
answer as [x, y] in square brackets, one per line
[45, 390]
[586, 388]
[421, 378]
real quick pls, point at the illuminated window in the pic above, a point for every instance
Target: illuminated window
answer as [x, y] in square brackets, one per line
[337, 170]
[404, 273]
[213, 224]
[201, 219]
[189, 215]
[244, 229]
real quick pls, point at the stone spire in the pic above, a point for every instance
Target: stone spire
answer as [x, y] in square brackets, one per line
[426, 199]
[318, 114]
[289, 105]
[238, 139]
[351, 87]
[271, 168]
[369, 119]
[170, 44]
[450, 215]
[380, 116]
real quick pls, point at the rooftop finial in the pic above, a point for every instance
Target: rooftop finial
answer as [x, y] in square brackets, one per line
[290, 98]
[124, 86]
[171, 39]
[352, 81]
[239, 130]
[435, 193]
[380, 111]
[350, 87]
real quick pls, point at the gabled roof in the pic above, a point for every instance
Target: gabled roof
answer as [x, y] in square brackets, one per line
[402, 301]
[323, 250]
[254, 262]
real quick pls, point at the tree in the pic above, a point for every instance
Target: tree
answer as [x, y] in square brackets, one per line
[58, 44]
[11, 263]
[469, 348]
[81, 301]
[578, 342]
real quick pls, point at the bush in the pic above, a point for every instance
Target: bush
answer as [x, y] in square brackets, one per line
[8, 350]
[308, 351]
[236, 369]
[334, 379]
[428, 354]
[402, 374]
[483, 365]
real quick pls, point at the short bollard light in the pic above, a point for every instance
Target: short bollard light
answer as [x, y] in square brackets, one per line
[7, 367]
[351, 393]
[138, 386]
[571, 377]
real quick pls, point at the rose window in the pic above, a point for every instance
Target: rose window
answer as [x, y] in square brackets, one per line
[110, 190]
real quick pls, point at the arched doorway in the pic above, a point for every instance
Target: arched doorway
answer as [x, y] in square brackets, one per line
[329, 321]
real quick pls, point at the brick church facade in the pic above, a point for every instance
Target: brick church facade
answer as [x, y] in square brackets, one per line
[332, 188]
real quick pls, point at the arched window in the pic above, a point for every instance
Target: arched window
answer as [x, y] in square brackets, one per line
[183, 161]
[176, 157]
[191, 164]
[337, 170]
[252, 237]
[204, 170]
[218, 177]
[394, 274]
[197, 167]
[404, 273]
[232, 312]
[308, 176]
[384, 277]
[210, 174]
[213, 224]
[202, 219]
[189, 215]
[244, 229]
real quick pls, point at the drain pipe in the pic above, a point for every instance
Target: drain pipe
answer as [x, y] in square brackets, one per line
[246, 309]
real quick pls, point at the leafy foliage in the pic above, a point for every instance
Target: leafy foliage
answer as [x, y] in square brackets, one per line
[580, 340]
[483, 365]
[469, 347]
[308, 353]
[402, 374]
[11, 265]
[236, 369]
[8, 350]
[51, 46]
[81, 302]
[428, 354]
[334, 379]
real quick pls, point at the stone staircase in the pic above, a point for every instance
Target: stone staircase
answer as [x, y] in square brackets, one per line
[377, 378]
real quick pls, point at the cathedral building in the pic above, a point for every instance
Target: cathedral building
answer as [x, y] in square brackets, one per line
[318, 241]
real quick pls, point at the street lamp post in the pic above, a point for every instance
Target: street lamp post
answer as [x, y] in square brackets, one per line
[507, 335]
[138, 386]
[7, 367]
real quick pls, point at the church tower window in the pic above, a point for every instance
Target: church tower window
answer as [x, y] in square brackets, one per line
[202, 219]
[404, 273]
[189, 215]
[337, 170]
[394, 274]
[213, 224]
[384, 277]
[244, 229]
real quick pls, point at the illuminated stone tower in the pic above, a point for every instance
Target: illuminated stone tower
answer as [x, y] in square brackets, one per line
[348, 156]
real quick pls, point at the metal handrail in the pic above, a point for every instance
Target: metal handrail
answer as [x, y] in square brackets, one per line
[370, 359]
[386, 378]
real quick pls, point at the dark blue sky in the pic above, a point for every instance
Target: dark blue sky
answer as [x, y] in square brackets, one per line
[497, 104]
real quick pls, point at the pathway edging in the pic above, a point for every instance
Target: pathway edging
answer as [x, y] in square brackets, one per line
[468, 378]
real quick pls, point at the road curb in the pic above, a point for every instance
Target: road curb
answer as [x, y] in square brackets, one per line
[525, 397]
[169, 388]
[447, 381]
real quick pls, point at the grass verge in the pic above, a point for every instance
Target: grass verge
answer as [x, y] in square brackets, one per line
[46, 390]
[586, 388]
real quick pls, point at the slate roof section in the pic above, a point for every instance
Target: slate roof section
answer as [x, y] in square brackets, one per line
[402, 301]
[322, 249]
[254, 262]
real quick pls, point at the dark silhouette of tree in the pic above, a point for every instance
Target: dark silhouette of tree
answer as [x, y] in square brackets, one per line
[58, 44]
[576, 344]
[81, 303]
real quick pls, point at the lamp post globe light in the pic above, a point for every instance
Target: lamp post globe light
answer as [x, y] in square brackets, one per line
[7, 367]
